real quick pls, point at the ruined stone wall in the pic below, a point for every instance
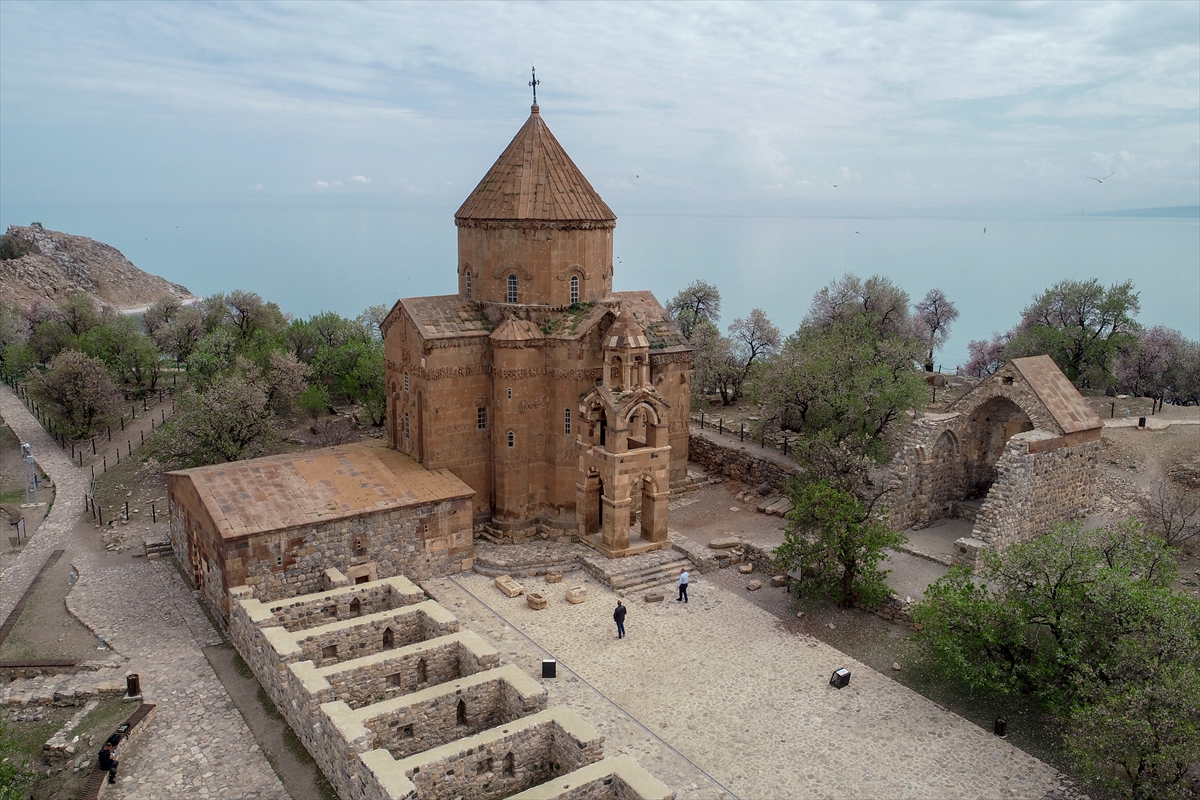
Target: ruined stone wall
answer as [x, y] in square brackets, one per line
[1036, 488]
[428, 718]
[310, 611]
[492, 764]
[736, 463]
[354, 638]
[375, 678]
[616, 778]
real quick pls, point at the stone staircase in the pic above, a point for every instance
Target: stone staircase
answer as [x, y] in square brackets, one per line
[527, 560]
[157, 547]
[637, 573]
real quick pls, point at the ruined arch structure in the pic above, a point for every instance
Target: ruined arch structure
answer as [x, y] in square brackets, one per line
[1024, 442]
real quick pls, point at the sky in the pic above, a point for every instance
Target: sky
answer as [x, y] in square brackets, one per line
[742, 109]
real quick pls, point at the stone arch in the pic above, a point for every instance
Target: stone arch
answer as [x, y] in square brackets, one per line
[652, 413]
[944, 478]
[983, 435]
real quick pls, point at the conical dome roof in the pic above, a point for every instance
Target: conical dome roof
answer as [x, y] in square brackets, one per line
[535, 179]
[626, 333]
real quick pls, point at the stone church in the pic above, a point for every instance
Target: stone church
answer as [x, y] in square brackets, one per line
[535, 399]
[562, 404]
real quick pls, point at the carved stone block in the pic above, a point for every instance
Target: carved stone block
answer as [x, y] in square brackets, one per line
[577, 594]
[536, 600]
[506, 584]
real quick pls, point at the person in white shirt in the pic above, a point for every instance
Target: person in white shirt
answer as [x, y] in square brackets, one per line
[683, 582]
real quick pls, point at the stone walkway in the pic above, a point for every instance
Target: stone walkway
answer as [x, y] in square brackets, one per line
[718, 683]
[198, 744]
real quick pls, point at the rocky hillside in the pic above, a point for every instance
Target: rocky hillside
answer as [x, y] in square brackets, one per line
[37, 263]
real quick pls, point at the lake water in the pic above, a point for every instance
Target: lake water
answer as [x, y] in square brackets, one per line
[313, 256]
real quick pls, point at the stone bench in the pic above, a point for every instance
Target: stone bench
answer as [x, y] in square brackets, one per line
[489, 765]
[429, 718]
[616, 778]
[97, 780]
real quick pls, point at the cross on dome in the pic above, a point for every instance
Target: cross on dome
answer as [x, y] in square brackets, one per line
[534, 83]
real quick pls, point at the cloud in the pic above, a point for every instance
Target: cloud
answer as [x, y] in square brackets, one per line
[360, 179]
[320, 185]
[255, 186]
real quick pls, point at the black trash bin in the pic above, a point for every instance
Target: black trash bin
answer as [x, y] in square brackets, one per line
[133, 685]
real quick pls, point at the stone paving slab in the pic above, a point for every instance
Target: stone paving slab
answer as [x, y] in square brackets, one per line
[623, 733]
[70, 485]
[721, 682]
[197, 745]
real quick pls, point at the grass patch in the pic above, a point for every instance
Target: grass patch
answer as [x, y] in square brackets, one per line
[105, 718]
[267, 704]
[241, 666]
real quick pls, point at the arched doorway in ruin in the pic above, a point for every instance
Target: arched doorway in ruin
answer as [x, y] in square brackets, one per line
[945, 478]
[983, 436]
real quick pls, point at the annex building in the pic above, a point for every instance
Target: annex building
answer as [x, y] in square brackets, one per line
[534, 400]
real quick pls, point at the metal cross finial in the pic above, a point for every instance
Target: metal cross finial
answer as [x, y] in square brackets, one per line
[534, 83]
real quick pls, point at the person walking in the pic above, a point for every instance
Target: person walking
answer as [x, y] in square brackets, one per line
[619, 618]
[683, 582]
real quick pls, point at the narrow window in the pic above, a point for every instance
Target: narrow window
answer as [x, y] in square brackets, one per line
[512, 439]
[484, 766]
[406, 381]
[395, 679]
[407, 732]
[329, 651]
[389, 639]
[468, 281]
[462, 712]
[510, 393]
[355, 608]
[481, 418]
[405, 424]
[512, 288]
[567, 421]
[510, 768]
[422, 672]
[574, 289]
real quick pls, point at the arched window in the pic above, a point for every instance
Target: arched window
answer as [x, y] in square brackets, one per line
[468, 284]
[512, 288]
[574, 289]
[567, 421]
[389, 639]
[406, 381]
[462, 712]
[512, 439]
[422, 672]
[405, 424]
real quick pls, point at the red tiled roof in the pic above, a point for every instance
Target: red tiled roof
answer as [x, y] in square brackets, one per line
[294, 489]
[535, 179]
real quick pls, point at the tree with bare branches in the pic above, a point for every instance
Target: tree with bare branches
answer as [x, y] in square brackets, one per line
[933, 317]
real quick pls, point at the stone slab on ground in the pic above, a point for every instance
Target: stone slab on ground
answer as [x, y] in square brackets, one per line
[875, 738]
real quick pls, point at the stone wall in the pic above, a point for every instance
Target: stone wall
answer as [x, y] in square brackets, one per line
[1036, 488]
[616, 778]
[736, 462]
[489, 765]
[375, 678]
[402, 700]
[431, 717]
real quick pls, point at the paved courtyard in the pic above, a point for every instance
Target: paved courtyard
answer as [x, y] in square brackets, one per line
[715, 698]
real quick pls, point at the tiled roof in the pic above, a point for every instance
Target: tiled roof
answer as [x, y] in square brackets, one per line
[660, 329]
[626, 332]
[287, 491]
[1060, 397]
[535, 179]
[446, 315]
[516, 330]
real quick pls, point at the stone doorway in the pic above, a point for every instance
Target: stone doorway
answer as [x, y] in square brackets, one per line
[987, 431]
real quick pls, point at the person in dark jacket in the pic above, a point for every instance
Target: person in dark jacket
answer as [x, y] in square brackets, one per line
[107, 762]
[619, 618]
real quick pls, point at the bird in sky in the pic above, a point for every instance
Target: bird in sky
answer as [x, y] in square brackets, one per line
[985, 230]
[1101, 180]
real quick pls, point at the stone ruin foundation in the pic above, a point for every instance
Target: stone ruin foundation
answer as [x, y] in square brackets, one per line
[395, 702]
[1015, 455]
